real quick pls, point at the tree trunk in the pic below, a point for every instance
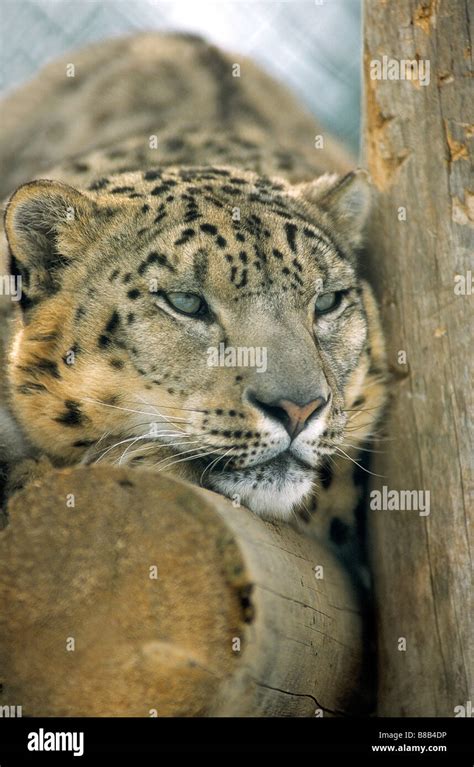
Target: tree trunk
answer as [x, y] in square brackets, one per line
[418, 139]
[125, 593]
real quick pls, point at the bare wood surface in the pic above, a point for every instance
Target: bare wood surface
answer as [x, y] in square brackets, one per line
[418, 145]
[234, 623]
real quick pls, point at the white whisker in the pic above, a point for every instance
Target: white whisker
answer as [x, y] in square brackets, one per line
[187, 458]
[212, 463]
[160, 446]
[135, 439]
[128, 409]
[358, 464]
[363, 449]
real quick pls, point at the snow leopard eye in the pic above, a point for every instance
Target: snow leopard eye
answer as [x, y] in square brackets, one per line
[327, 302]
[187, 303]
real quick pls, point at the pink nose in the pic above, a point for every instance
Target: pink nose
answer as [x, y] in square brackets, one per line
[296, 416]
[291, 415]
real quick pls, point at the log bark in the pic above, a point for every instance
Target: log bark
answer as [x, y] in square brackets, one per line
[233, 620]
[418, 143]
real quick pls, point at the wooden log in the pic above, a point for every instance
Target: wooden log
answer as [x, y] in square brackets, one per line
[124, 592]
[418, 142]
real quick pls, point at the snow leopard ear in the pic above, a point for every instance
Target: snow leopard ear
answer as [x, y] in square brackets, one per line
[346, 199]
[48, 225]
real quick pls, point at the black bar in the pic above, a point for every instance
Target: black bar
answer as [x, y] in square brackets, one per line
[145, 740]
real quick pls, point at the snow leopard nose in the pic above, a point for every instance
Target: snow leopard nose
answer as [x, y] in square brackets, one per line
[292, 415]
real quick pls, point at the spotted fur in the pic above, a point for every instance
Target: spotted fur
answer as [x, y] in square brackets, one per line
[233, 206]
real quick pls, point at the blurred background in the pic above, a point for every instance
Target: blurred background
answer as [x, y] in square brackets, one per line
[314, 46]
